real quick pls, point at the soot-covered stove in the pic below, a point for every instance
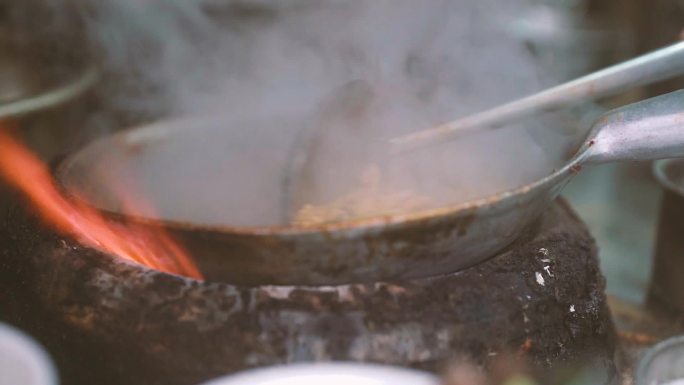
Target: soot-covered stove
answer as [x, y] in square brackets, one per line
[110, 322]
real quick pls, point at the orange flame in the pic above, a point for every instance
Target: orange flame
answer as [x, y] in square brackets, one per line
[136, 243]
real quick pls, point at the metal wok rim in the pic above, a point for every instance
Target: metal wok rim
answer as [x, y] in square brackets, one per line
[492, 203]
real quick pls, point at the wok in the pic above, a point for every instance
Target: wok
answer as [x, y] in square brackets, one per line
[419, 244]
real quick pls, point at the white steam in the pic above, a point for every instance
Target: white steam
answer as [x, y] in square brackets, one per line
[419, 62]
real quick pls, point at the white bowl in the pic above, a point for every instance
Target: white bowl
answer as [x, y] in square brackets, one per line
[23, 361]
[329, 374]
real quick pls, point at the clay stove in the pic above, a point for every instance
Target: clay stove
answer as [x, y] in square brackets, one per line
[107, 321]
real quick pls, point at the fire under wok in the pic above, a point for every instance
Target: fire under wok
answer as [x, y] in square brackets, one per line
[220, 193]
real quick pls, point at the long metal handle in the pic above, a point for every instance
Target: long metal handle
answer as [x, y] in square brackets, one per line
[647, 130]
[647, 69]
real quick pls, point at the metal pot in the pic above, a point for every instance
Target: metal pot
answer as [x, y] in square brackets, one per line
[39, 104]
[419, 244]
[666, 289]
[663, 364]
[30, 97]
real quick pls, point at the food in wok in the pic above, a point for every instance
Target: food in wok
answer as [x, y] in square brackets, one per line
[371, 198]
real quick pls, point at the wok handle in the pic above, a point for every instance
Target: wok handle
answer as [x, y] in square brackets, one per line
[647, 130]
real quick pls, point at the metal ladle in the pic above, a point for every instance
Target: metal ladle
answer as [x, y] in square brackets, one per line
[662, 64]
[346, 105]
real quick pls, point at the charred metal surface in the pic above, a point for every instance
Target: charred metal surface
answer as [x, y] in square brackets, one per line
[334, 257]
[108, 322]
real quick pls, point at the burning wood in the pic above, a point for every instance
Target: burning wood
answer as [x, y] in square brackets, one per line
[151, 248]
